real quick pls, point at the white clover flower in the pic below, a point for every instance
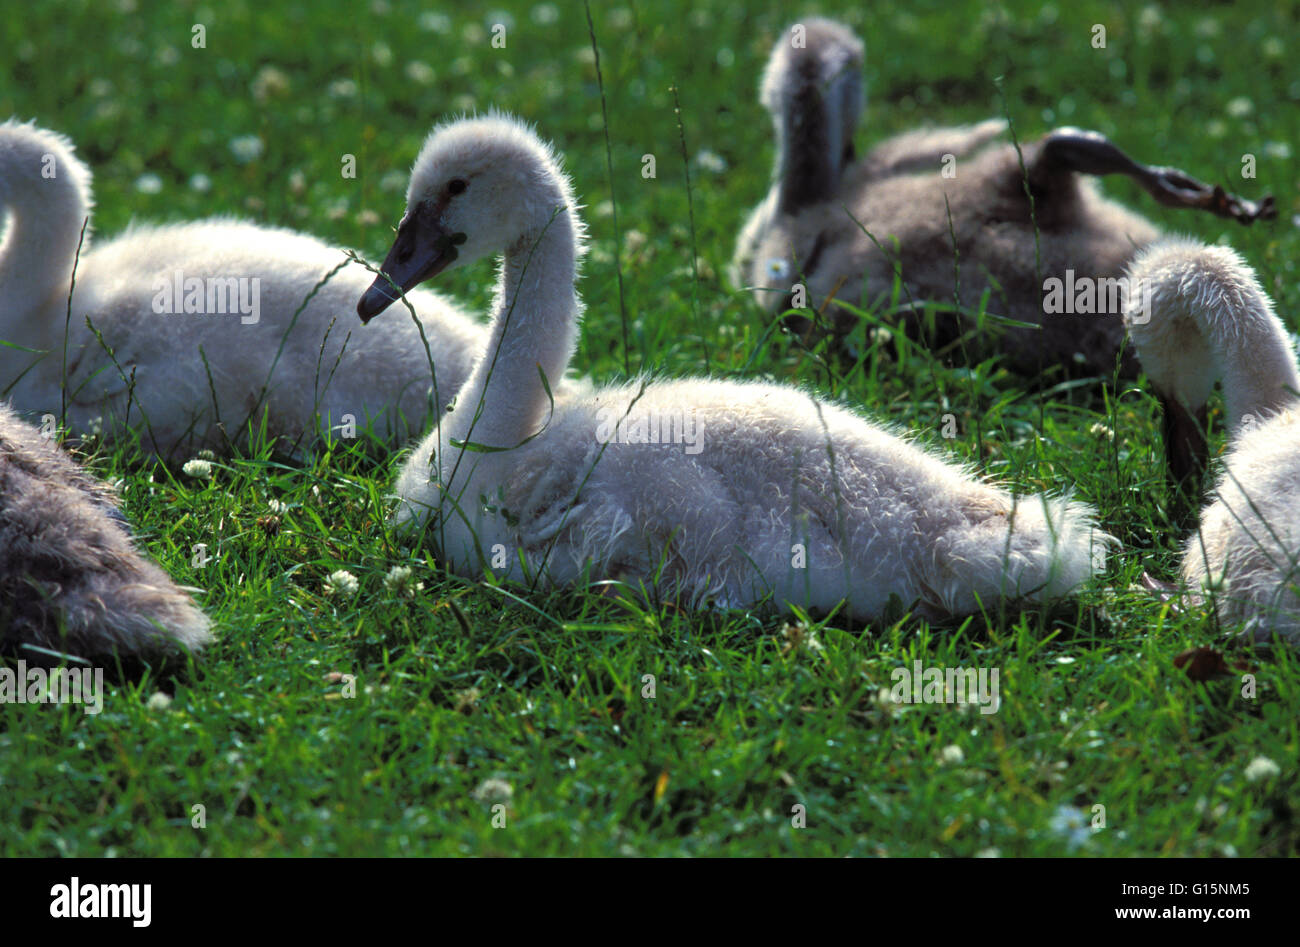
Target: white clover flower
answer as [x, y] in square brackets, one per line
[711, 161]
[467, 699]
[1072, 824]
[1149, 18]
[419, 72]
[1240, 107]
[201, 183]
[159, 701]
[800, 635]
[246, 148]
[952, 755]
[342, 583]
[634, 241]
[341, 89]
[435, 22]
[400, 581]
[277, 507]
[494, 791]
[148, 183]
[545, 14]
[1102, 430]
[1261, 768]
[199, 469]
[1203, 807]
[269, 83]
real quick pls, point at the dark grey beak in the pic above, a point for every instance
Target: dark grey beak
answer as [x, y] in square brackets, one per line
[1186, 451]
[423, 249]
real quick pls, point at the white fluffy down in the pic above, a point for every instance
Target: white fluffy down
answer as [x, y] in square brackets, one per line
[757, 492]
[1211, 320]
[330, 365]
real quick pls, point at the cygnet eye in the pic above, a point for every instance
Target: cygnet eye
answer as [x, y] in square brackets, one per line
[457, 186]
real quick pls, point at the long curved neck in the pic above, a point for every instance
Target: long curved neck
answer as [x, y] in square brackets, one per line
[1259, 378]
[45, 198]
[815, 95]
[534, 326]
[1251, 349]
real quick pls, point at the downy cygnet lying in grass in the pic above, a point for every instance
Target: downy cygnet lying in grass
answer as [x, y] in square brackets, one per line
[71, 581]
[195, 315]
[775, 493]
[950, 211]
[1210, 320]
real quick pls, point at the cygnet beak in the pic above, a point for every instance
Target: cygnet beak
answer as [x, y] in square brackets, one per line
[1186, 452]
[423, 249]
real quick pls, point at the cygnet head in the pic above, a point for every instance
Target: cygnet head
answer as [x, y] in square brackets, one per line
[1196, 314]
[812, 86]
[1167, 291]
[479, 186]
[36, 158]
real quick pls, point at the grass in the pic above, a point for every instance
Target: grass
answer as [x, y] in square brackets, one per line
[466, 685]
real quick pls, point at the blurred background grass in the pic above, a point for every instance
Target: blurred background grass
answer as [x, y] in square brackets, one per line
[312, 82]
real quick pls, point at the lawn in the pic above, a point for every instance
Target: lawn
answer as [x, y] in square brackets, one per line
[470, 718]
